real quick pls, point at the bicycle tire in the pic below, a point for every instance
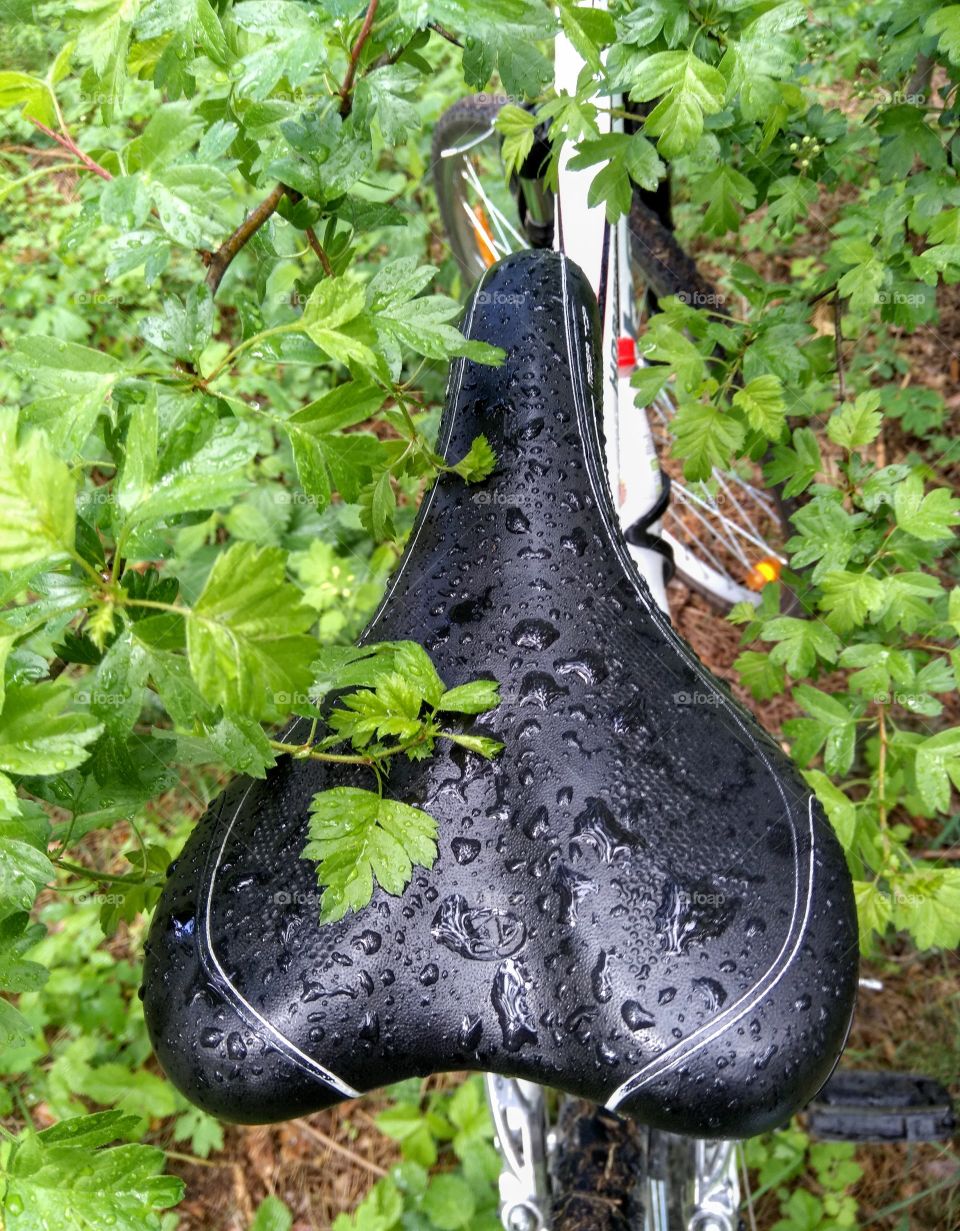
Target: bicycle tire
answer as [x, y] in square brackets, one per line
[472, 116]
[598, 1170]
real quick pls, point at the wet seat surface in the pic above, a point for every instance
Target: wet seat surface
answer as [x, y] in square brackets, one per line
[639, 901]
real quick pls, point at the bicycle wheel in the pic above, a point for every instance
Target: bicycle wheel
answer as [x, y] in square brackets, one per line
[726, 533]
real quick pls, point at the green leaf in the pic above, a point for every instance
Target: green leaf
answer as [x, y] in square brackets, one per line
[927, 517]
[687, 88]
[800, 643]
[66, 375]
[518, 128]
[187, 197]
[60, 1177]
[840, 809]
[937, 765]
[38, 735]
[449, 1202]
[272, 1215]
[761, 400]
[357, 835]
[214, 475]
[795, 467]
[244, 634]
[832, 725]
[848, 598]
[926, 902]
[482, 745]
[724, 190]
[856, 423]
[874, 909]
[478, 462]
[389, 96]
[37, 512]
[760, 673]
[705, 437]
[182, 329]
[626, 159]
[474, 698]
[333, 304]
[945, 22]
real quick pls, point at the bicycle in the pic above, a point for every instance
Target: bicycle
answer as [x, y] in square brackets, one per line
[579, 930]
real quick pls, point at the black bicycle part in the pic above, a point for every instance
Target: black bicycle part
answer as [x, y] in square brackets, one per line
[640, 902]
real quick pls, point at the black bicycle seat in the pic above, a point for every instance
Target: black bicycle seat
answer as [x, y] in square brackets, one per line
[638, 902]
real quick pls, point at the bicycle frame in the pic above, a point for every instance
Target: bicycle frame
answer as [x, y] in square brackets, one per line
[633, 471]
[602, 252]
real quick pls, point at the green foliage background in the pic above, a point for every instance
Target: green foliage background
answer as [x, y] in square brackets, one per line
[215, 462]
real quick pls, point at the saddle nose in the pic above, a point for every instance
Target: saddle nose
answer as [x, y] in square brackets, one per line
[638, 902]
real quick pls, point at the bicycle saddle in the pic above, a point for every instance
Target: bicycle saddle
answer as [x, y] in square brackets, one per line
[638, 902]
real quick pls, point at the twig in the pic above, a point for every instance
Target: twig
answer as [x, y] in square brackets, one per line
[68, 143]
[357, 1159]
[219, 261]
[838, 347]
[436, 27]
[319, 249]
[346, 100]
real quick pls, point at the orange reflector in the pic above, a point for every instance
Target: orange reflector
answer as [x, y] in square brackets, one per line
[484, 234]
[763, 572]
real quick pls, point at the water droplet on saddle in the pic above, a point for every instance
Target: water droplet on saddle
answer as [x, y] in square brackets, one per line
[475, 932]
[540, 689]
[592, 828]
[471, 1028]
[635, 1015]
[802, 1003]
[211, 1037]
[534, 634]
[509, 996]
[368, 941]
[713, 993]
[606, 1054]
[666, 994]
[600, 978]
[537, 825]
[587, 666]
[465, 850]
[517, 523]
[236, 1048]
[429, 975]
[761, 1062]
[370, 1028]
[572, 887]
[754, 926]
[183, 925]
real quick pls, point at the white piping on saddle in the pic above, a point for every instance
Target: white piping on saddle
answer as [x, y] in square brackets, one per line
[206, 949]
[675, 1055]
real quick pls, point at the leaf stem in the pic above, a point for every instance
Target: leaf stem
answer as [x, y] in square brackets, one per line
[346, 90]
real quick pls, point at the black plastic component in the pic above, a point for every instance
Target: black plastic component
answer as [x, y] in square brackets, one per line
[638, 534]
[863, 1106]
[639, 902]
